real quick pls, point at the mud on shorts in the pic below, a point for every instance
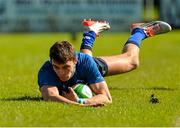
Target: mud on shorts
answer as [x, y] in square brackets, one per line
[102, 66]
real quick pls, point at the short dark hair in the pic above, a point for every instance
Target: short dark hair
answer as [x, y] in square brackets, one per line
[62, 51]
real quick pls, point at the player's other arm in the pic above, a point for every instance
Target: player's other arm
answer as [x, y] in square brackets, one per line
[51, 93]
[102, 96]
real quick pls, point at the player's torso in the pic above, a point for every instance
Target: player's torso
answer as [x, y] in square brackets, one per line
[80, 75]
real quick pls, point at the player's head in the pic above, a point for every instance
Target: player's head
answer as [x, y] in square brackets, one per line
[63, 59]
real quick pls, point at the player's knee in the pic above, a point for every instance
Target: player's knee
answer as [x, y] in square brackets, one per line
[135, 63]
[133, 60]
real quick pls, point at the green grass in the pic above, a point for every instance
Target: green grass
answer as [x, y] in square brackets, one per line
[22, 55]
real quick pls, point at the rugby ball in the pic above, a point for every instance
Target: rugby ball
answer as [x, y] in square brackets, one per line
[83, 91]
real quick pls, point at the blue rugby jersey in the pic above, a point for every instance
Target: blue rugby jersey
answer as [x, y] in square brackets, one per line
[86, 72]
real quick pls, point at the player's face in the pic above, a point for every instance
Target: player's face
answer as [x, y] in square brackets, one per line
[64, 71]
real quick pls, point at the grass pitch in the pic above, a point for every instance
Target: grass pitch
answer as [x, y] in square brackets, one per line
[159, 73]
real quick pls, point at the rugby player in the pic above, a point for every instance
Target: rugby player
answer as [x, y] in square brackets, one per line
[67, 68]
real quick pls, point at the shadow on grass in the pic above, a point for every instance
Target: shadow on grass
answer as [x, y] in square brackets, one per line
[38, 98]
[23, 98]
[150, 88]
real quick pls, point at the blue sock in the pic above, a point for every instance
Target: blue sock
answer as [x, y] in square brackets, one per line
[136, 37]
[88, 40]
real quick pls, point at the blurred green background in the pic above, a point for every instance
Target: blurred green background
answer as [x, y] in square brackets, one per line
[66, 15]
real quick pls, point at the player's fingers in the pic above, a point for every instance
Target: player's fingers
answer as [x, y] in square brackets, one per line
[70, 89]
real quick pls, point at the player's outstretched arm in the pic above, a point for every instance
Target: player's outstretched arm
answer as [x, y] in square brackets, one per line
[51, 93]
[102, 96]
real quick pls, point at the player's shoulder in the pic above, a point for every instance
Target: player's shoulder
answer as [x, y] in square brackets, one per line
[85, 61]
[46, 66]
[82, 56]
[47, 63]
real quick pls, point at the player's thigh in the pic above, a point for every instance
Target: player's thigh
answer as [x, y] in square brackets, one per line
[117, 64]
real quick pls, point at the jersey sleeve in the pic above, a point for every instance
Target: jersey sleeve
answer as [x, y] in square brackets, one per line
[92, 72]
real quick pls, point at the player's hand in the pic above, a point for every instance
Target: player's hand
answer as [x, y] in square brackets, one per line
[71, 95]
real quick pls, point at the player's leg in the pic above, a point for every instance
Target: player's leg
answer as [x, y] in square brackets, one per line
[125, 62]
[93, 30]
[129, 59]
